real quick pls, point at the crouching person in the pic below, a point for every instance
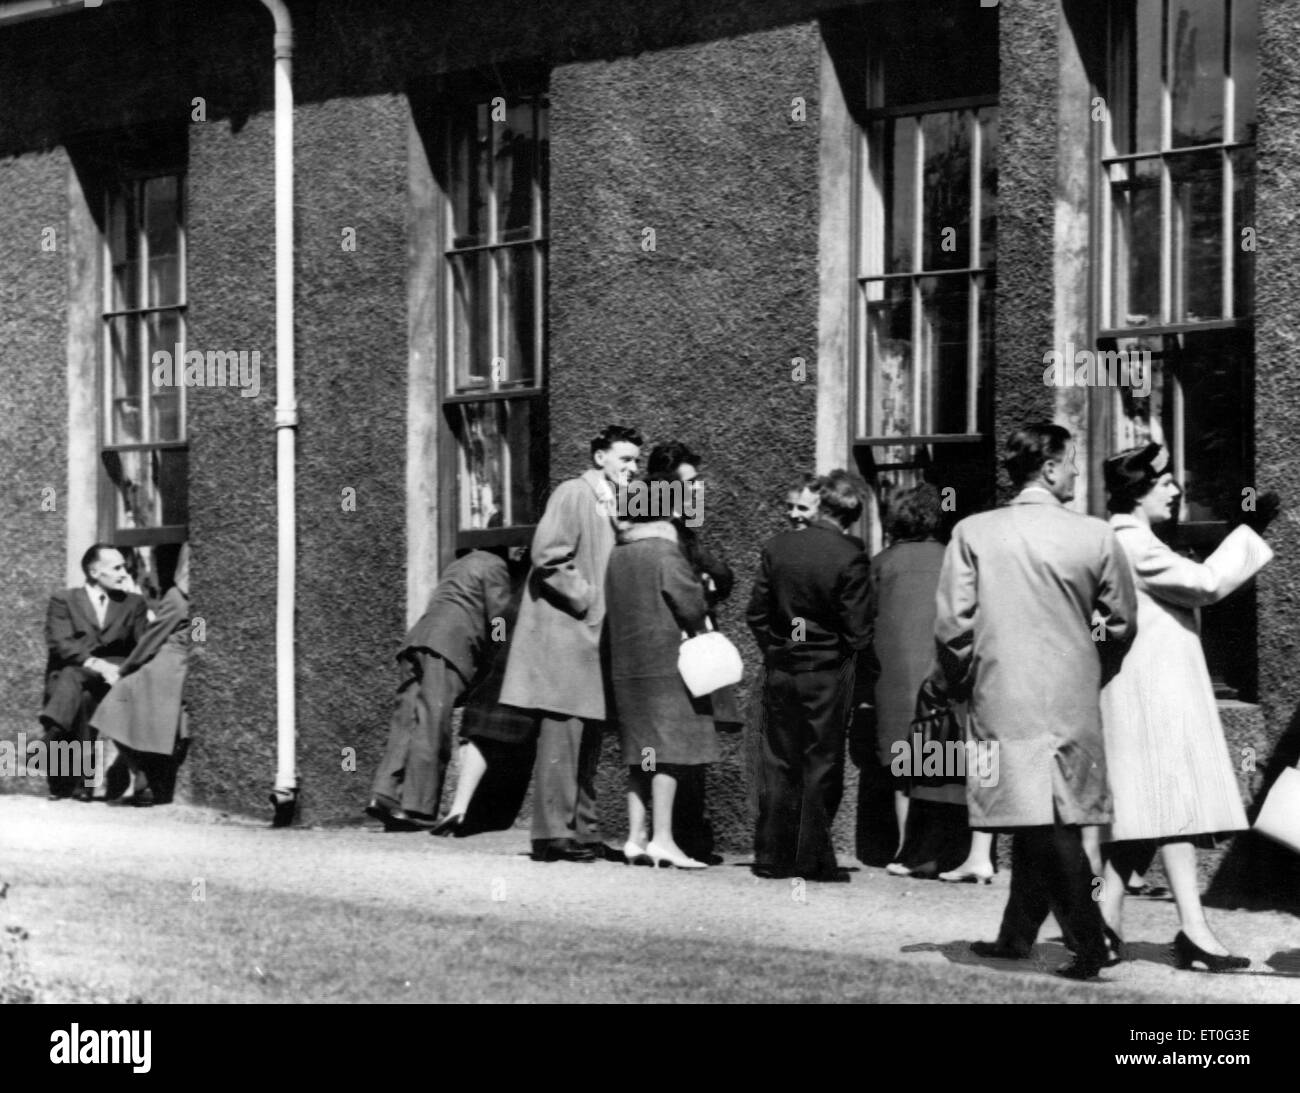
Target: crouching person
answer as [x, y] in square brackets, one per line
[442, 653]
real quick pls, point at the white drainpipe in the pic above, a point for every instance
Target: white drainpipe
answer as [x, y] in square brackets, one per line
[285, 795]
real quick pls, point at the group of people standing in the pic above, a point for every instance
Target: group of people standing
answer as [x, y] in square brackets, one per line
[1065, 644]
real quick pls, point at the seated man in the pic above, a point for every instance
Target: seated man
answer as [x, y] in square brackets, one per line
[89, 632]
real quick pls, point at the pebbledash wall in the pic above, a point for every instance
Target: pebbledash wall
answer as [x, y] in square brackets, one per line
[663, 115]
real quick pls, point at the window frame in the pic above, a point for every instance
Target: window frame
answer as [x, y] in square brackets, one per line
[450, 398]
[134, 180]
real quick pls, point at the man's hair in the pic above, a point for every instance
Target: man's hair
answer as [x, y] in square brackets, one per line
[842, 495]
[1030, 447]
[666, 458]
[611, 435]
[92, 556]
[913, 513]
[802, 482]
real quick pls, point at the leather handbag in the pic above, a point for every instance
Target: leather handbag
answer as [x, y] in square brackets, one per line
[708, 661]
[1279, 819]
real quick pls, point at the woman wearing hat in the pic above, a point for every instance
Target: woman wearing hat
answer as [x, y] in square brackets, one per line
[1170, 774]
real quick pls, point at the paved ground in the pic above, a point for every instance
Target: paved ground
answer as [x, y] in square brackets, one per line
[181, 903]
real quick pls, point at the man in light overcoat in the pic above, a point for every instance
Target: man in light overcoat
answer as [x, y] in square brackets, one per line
[1035, 609]
[555, 659]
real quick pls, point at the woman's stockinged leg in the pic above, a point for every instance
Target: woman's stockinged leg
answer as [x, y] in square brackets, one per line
[1112, 892]
[1180, 867]
[664, 789]
[473, 766]
[638, 791]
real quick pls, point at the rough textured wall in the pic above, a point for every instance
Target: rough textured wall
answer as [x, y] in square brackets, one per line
[1255, 868]
[33, 426]
[1026, 215]
[350, 317]
[692, 340]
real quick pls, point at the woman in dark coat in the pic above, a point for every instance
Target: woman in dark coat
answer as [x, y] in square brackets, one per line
[143, 712]
[931, 811]
[652, 595]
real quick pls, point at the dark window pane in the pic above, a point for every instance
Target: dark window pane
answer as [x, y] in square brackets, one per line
[1135, 242]
[162, 240]
[468, 176]
[1137, 60]
[888, 325]
[945, 348]
[471, 347]
[163, 331]
[123, 250]
[988, 121]
[171, 475]
[1197, 246]
[1196, 32]
[125, 403]
[893, 169]
[499, 445]
[945, 228]
[1214, 425]
[516, 316]
[1245, 66]
[515, 155]
[1243, 253]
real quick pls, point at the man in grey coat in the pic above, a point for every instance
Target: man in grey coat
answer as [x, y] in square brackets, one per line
[1036, 607]
[555, 659]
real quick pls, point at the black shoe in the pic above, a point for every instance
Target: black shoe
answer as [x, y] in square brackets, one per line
[553, 850]
[394, 819]
[143, 798]
[85, 795]
[1147, 891]
[771, 872]
[1116, 953]
[1078, 968]
[1187, 953]
[837, 875]
[998, 950]
[449, 825]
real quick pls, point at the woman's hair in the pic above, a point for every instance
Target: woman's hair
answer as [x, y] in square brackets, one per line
[842, 494]
[1030, 447]
[666, 458]
[1130, 474]
[913, 513]
[650, 497]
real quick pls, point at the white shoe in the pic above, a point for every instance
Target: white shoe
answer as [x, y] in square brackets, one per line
[660, 856]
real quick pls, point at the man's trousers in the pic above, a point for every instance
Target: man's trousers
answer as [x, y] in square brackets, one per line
[1050, 872]
[564, 779]
[806, 717]
[411, 773]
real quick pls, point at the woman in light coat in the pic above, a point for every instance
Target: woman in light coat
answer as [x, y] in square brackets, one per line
[1171, 777]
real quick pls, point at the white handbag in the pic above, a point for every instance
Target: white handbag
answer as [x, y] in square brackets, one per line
[1279, 819]
[708, 661]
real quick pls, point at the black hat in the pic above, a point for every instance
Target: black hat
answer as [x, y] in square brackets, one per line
[1130, 474]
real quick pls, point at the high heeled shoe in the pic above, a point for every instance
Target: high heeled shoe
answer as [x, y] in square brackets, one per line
[660, 857]
[635, 855]
[449, 825]
[966, 876]
[1116, 952]
[1187, 953]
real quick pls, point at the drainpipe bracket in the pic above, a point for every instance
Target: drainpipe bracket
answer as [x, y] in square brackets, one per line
[286, 417]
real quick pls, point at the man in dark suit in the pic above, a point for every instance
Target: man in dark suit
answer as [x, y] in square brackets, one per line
[89, 632]
[809, 614]
[443, 651]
